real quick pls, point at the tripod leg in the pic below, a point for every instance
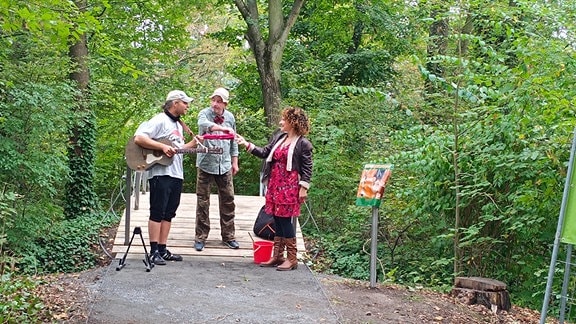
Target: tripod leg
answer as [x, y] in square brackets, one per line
[122, 261]
[149, 265]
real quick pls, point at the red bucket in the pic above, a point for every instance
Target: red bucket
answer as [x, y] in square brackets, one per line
[262, 251]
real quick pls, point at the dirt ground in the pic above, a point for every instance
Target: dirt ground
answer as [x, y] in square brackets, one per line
[358, 303]
[67, 299]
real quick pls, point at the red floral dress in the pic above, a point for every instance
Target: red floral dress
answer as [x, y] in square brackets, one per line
[283, 188]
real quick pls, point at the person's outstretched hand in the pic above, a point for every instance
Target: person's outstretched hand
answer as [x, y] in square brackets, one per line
[241, 140]
[228, 130]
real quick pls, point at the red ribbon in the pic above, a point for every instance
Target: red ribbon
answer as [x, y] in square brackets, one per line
[218, 136]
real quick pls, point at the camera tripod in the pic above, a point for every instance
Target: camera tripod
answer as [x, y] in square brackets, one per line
[122, 263]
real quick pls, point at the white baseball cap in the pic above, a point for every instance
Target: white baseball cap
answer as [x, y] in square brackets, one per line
[222, 93]
[178, 95]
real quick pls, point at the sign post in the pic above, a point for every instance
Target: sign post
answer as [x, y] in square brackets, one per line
[370, 191]
[565, 233]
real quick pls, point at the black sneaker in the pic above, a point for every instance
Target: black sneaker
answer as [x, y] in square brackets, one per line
[232, 244]
[171, 257]
[157, 259]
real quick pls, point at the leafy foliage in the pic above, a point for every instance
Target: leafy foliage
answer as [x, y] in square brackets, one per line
[506, 153]
[18, 303]
[80, 196]
[50, 253]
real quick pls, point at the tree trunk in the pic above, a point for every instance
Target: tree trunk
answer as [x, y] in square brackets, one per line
[483, 291]
[80, 197]
[271, 93]
[78, 53]
[437, 45]
[268, 52]
[466, 30]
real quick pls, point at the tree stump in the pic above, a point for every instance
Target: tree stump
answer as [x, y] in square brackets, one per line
[484, 291]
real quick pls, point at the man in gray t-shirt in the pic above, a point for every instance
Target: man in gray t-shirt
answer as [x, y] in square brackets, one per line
[165, 180]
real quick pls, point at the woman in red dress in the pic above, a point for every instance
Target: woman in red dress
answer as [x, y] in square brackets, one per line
[287, 173]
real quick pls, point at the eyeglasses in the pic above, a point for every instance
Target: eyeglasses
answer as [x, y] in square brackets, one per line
[219, 120]
[186, 103]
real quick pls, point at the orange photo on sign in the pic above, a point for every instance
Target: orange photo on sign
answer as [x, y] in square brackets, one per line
[372, 183]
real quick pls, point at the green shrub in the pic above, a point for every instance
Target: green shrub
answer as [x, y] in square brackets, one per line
[18, 303]
[68, 247]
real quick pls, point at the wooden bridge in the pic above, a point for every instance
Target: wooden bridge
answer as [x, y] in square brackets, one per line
[181, 238]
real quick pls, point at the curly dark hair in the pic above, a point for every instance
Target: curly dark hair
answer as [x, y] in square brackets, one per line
[297, 119]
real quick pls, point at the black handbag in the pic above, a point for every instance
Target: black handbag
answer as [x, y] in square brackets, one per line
[264, 227]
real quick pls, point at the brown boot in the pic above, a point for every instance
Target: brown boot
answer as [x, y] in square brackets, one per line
[278, 254]
[291, 262]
